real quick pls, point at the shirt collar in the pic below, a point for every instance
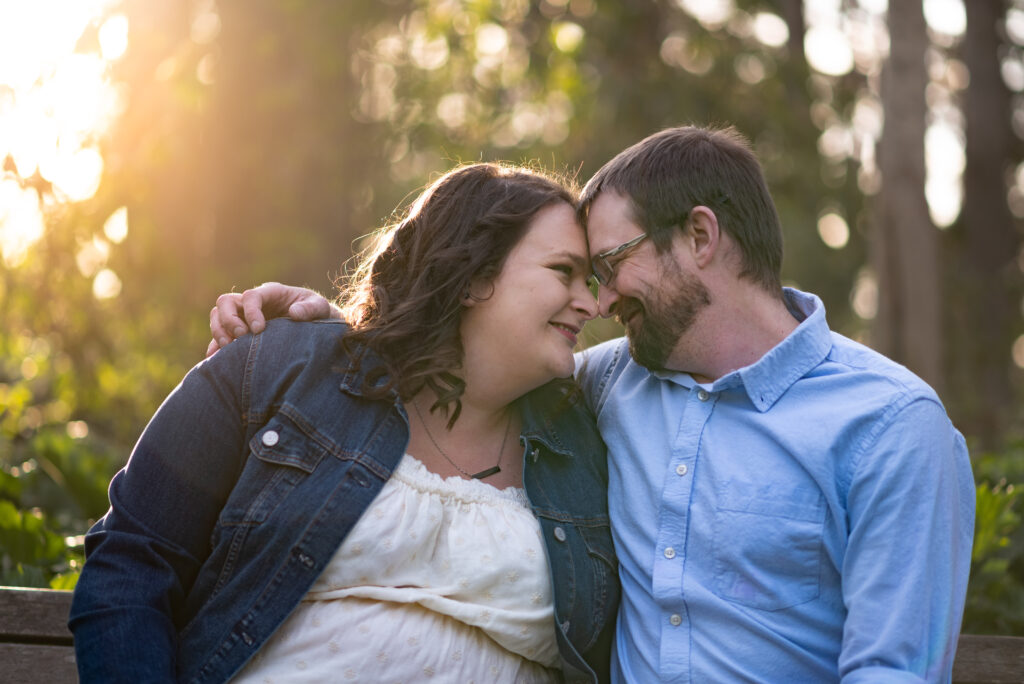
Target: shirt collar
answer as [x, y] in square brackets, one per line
[791, 359]
[769, 377]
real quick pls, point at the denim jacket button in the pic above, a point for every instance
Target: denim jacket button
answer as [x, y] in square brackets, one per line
[270, 438]
[535, 454]
[559, 534]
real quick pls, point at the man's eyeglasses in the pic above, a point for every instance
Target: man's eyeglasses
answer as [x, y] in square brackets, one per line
[604, 270]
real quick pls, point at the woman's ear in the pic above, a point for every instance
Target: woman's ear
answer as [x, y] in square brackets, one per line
[479, 290]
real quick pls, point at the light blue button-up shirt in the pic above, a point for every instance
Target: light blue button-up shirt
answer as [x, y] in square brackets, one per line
[808, 518]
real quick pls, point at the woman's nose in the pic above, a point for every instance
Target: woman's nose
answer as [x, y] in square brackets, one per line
[585, 303]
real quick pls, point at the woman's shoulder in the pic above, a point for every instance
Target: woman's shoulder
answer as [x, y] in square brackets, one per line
[291, 349]
[287, 329]
[290, 338]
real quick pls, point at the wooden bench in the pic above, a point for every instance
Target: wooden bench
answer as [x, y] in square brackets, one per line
[35, 644]
[36, 647]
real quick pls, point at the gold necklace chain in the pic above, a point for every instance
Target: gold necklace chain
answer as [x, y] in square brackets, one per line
[487, 472]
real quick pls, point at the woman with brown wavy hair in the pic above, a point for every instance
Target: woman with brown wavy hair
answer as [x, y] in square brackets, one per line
[411, 491]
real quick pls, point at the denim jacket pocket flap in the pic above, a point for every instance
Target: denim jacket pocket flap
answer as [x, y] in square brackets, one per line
[598, 538]
[281, 442]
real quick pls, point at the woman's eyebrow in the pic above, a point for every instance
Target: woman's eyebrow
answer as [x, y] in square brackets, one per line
[577, 260]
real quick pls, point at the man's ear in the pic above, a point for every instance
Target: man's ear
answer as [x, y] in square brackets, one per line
[703, 235]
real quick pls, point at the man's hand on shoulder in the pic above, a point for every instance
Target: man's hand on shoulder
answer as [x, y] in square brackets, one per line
[237, 314]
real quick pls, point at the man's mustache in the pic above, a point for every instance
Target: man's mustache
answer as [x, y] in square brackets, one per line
[627, 308]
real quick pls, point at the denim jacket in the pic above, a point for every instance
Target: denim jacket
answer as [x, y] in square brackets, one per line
[249, 477]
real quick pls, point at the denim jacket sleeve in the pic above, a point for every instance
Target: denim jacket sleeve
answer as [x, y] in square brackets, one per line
[145, 552]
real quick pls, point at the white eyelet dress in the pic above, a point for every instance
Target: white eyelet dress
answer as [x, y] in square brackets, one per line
[440, 580]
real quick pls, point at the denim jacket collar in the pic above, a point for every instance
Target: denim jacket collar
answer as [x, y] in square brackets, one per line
[355, 367]
[540, 410]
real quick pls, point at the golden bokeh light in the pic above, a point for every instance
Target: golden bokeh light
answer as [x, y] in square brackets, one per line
[55, 102]
[106, 285]
[833, 230]
[21, 222]
[113, 37]
[864, 297]
[116, 226]
[770, 29]
[1018, 352]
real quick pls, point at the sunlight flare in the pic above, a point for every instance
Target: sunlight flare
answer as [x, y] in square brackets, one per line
[56, 99]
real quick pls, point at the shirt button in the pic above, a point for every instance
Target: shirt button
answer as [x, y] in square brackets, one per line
[270, 438]
[676, 620]
[559, 534]
[681, 469]
[670, 553]
[703, 395]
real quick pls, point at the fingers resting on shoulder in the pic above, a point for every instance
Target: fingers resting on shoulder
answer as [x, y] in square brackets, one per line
[237, 314]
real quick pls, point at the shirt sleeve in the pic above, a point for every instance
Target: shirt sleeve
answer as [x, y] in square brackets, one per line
[596, 367]
[911, 523]
[144, 554]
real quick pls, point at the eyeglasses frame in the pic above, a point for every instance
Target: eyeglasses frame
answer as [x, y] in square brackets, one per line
[615, 251]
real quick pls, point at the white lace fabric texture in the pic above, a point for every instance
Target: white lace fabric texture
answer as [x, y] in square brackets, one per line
[441, 579]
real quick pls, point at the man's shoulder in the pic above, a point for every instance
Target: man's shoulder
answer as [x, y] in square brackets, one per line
[605, 353]
[868, 369]
[602, 361]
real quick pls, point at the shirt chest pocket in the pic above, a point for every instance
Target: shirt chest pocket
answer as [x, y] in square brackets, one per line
[768, 544]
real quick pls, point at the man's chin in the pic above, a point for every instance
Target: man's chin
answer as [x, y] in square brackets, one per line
[643, 354]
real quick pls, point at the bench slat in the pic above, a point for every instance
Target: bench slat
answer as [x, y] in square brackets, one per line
[984, 659]
[35, 645]
[38, 615]
[35, 664]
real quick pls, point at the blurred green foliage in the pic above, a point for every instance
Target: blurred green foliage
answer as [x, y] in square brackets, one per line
[262, 138]
[995, 602]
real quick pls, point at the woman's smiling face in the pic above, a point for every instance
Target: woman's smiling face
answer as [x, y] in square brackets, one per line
[526, 320]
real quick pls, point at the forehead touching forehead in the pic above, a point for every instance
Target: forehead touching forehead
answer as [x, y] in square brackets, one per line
[610, 221]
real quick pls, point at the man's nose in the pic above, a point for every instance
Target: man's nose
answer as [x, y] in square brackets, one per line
[607, 300]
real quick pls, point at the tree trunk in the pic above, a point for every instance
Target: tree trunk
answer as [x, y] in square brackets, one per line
[793, 13]
[984, 265]
[905, 246]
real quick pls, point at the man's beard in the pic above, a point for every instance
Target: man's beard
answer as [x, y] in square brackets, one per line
[664, 319]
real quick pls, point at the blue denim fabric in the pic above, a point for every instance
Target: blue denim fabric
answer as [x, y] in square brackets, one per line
[217, 527]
